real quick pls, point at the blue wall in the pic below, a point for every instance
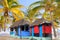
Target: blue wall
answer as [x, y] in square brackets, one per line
[23, 33]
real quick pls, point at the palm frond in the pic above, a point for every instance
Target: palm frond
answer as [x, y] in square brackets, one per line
[36, 3]
[18, 12]
[5, 3]
[17, 6]
[12, 3]
[0, 2]
[16, 18]
[57, 0]
[1, 9]
[55, 24]
[58, 3]
[38, 8]
[34, 11]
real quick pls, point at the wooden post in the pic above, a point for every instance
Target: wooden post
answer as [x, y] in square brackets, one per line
[40, 29]
[32, 31]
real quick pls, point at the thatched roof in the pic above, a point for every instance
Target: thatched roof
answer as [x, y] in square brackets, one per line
[20, 22]
[37, 22]
[23, 21]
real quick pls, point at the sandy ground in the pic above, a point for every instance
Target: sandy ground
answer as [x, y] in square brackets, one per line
[10, 38]
[6, 36]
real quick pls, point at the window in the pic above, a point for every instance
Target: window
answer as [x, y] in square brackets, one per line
[26, 26]
[11, 29]
[22, 27]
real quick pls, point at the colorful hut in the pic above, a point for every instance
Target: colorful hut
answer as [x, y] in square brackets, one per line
[41, 29]
[35, 27]
[21, 28]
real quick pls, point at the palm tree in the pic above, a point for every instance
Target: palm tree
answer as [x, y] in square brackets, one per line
[50, 6]
[10, 6]
[31, 15]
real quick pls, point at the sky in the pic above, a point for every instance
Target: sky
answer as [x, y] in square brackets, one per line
[26, 3]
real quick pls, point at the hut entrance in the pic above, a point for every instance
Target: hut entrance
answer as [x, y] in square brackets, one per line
[24, 27]
[11, 31]
[25, 30]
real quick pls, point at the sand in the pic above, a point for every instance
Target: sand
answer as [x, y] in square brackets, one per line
[10, 38]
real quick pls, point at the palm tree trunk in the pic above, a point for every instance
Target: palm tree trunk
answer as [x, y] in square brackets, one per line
[5, 15]
[0, 28]
[4, 27]
[52, 24]
[6, 12]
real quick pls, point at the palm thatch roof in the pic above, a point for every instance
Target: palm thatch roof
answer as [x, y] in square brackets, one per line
[20, 22]
[23, 21]
[37, 22]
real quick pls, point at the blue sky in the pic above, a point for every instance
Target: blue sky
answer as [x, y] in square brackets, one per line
[26, 3]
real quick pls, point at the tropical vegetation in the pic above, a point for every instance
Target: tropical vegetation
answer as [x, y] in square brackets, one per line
[52, 11]
[10, 6]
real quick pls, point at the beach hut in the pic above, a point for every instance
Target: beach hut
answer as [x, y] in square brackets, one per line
[47, 29]
[40, 29]
[25, 32]
[14, 28]
[21, 28]
[35, 27]
[12, 31]
[24, 27]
